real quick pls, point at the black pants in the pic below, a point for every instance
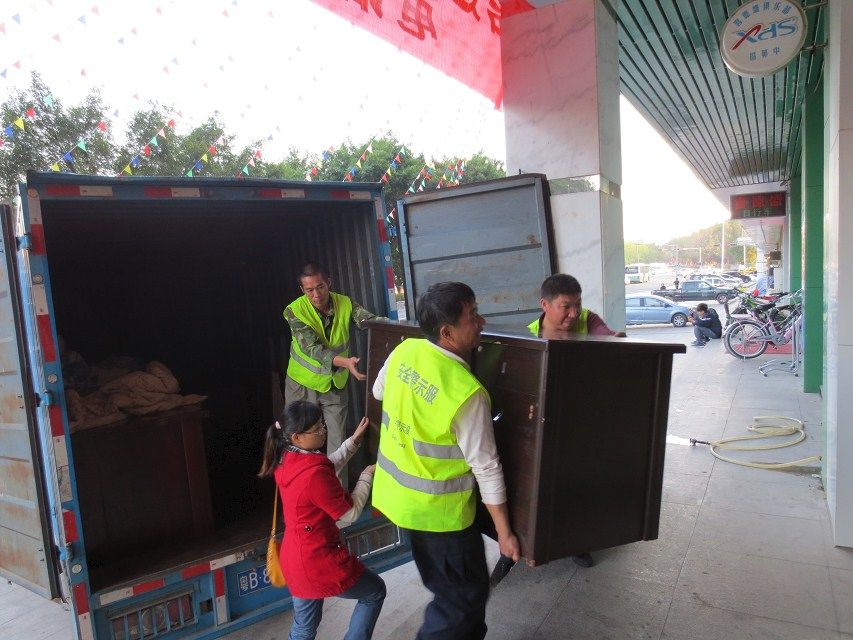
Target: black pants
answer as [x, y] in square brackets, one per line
[453, 567]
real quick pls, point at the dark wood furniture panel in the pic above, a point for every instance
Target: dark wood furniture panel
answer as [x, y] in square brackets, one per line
[142, 483]
[581, 430]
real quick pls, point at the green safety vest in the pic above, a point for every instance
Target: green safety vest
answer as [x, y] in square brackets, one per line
[422, 480]
[580, 325]
[306, 370]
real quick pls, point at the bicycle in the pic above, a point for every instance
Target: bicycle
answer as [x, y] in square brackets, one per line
[770, 323]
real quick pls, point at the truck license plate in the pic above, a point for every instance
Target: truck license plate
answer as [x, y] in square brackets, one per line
[252, 580]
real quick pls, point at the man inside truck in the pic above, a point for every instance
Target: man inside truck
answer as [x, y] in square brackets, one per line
[562, 311]
[436, 446]
[320, 364]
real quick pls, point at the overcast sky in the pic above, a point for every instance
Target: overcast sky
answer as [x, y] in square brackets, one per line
[307, 78]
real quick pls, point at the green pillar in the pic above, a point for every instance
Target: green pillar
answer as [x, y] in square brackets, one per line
[795, 232]
[812, 240]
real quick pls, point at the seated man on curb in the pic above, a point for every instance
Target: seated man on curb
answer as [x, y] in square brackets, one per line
[706, 325]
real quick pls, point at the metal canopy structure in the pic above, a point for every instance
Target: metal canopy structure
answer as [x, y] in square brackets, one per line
[732, 130]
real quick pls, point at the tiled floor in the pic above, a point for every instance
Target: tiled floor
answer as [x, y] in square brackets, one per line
[742, 552]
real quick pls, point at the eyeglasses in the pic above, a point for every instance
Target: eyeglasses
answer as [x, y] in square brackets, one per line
[319, 432]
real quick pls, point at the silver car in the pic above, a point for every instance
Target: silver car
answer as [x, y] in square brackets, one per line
[645, 308]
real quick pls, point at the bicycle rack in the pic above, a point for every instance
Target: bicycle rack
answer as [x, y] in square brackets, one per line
[792, 365]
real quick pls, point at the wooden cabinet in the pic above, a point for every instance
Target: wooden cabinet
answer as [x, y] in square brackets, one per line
[580, 428]
[142, 483]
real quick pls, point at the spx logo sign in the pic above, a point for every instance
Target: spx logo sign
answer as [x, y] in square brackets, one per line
[762, 37]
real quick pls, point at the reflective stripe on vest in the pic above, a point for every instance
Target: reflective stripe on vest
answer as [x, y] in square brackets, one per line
[424, 485]
[306, 370]
[422, 480]
[580, 324]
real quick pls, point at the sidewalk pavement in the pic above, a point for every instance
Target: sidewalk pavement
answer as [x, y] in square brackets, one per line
[742, 552]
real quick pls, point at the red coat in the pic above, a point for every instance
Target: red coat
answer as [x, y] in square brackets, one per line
[313, 560]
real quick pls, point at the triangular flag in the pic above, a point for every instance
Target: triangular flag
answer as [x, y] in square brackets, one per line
[258, 154]
[9, 132]
[56, 37]
[220, 140]
[190, 173]
[121, 40]
[370, 148]
[352, 171]
[20, 123]
[68, 157]
[358, 164]
[397, 158]
[95, 11]
[246, 169]
[204, 158]
[54, 166]
[170, 124]
[211, 150]
[81, 144]
[17, 18]
[251, 162]
[83, 72]
[134, 31]
[135, 161]
[363, 156]
[48, 100]
[3, 73]
[161, 133]
[2, 142]
[102, 126]
[198, 166]
[166, 69]
[384, 178]
[146, 150]
[82, 19]
[174, 60]
[31, 113]
[153, 142]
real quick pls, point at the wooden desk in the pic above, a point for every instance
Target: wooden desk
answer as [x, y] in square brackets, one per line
[582, 433]
[142, 483]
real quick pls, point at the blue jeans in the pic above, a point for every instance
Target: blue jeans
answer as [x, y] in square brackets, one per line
[705, 333]
[370, 593]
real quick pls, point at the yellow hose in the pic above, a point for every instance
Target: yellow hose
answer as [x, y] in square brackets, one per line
[765, 427]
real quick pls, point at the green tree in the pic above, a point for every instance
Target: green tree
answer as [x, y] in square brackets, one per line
[79, 133]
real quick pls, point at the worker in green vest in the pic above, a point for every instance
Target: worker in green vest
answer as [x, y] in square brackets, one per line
[436, 445]
[320, 363]
[563, 311]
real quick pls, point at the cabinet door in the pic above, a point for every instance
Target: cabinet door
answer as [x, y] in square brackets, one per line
[495, 236]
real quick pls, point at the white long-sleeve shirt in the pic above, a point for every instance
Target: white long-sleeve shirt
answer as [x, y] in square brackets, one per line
[475, 435]
[361, 491]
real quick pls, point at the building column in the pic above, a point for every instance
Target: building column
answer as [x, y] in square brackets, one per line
[838, 271]
[561, 100]
[812, 225]
[794, 247]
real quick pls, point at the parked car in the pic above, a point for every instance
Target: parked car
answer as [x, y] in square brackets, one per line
[737, 274]
[645, 308]
[698, 290]
[716, 280]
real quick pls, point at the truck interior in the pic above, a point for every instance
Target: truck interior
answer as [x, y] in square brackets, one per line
[199, 287]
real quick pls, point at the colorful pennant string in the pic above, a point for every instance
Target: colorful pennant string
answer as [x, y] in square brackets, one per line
[254, 158]
[9, 130]
[349, 175]
[394, 164]
[147, 149]
[314, 171]
[205, 158]
[68, 157]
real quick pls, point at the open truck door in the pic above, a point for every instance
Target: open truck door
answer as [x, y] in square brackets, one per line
[494, 236]
[26, 547]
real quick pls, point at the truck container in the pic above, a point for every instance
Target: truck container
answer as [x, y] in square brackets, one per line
[156, 526]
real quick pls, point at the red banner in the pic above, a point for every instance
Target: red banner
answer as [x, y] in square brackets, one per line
[459, 37]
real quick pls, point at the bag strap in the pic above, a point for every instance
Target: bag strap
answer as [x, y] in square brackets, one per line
[274, 511]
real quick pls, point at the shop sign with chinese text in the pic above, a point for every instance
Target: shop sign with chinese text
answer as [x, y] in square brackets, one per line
[760, 38]
[748, 206]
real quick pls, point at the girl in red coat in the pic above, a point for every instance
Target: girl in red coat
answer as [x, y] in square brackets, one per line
[313, 560]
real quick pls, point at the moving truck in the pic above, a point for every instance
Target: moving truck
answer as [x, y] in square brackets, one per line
[156, 525]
